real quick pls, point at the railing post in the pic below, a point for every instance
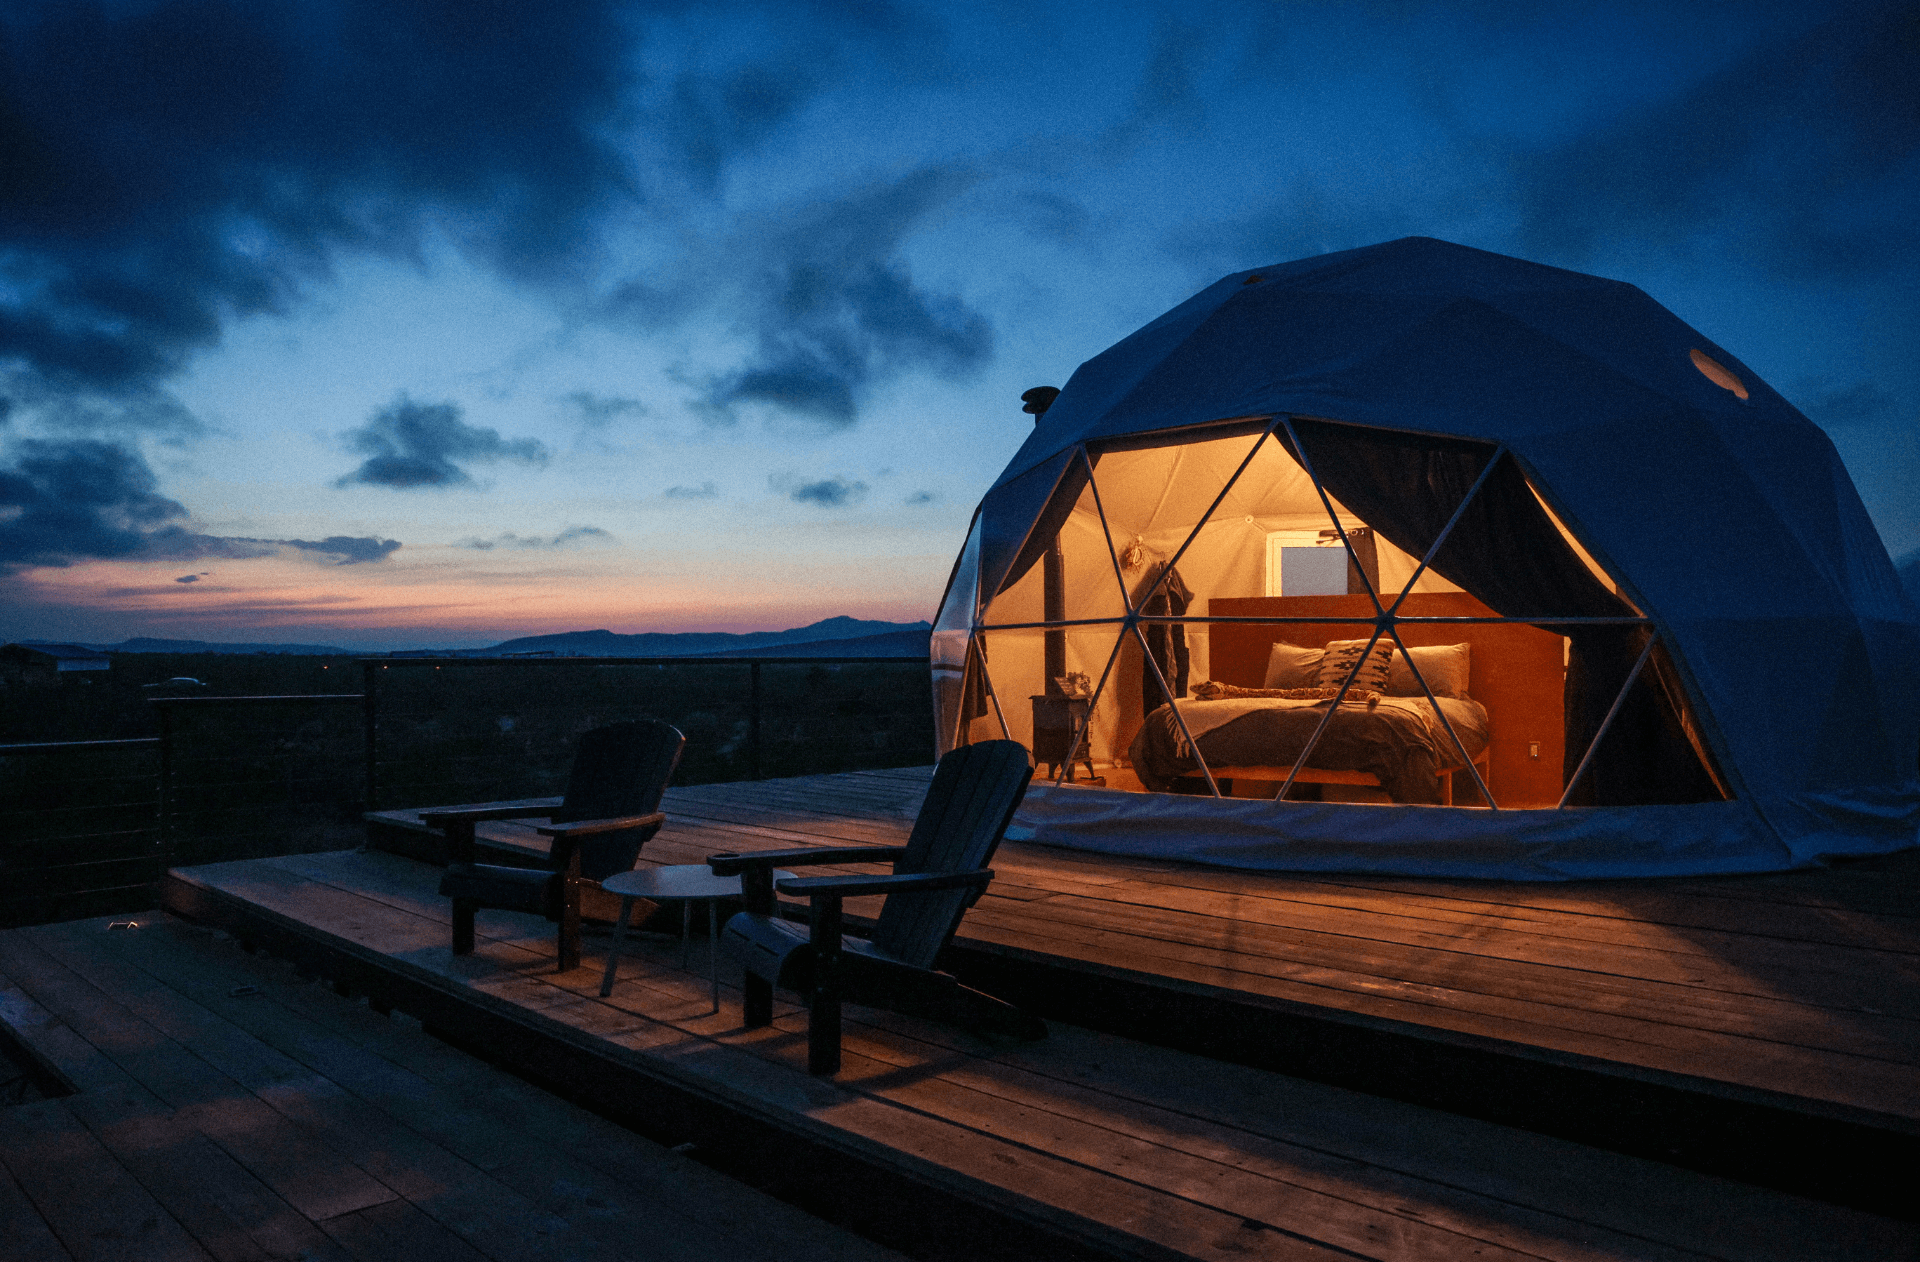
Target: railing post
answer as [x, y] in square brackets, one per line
[165, 795]
[753, 725]
[370, 708]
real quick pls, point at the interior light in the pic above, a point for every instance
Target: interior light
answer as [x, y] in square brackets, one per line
[1718, 373]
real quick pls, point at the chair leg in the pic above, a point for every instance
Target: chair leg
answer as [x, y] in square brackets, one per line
[823, 1031]
[757, 1001]
[463, 913]
[569, 945]
[823, 1008]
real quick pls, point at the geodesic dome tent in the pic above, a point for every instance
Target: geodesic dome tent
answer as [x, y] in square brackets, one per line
[1639, 621]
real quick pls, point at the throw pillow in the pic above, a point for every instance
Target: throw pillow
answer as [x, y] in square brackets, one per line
[1340, 659]
[1208, 690]
[1446, 668]
[1290, 666]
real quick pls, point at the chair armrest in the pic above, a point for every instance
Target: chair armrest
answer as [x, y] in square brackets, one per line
[854, 886]
[727, 863]
[588, 827]
[529, 809]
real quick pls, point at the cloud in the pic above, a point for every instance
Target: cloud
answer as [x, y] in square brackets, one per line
[410, 444]
[597, 411]
[61, 502]
[831, 306]
[709, 121]
[705, 491]
[84, 499]
[350, 550]
[828, 492]
[920, 497]
[191, 578]
[1804, 156]
[572, 536]
[172, 165]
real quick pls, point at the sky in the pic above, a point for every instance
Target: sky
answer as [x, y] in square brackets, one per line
[384, 323]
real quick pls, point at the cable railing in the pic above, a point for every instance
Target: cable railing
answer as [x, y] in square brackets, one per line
[79, 830]
[88, 826]
[476, 729]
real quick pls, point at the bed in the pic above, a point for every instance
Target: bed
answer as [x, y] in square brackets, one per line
[1507, 713]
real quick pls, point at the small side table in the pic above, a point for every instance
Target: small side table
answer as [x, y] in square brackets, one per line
[685, 883]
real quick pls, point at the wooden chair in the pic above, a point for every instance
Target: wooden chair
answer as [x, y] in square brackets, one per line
[611, 809]
[937, 875]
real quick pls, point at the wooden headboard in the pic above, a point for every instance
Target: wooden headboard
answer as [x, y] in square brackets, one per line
[1518, 670]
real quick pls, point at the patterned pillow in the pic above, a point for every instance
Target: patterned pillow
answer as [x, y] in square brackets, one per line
[1290, 666]
[1342, 654]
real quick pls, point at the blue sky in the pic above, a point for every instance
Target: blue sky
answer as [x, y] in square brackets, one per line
[384, 324]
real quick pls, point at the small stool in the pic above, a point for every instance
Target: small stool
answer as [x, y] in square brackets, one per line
[686, 884]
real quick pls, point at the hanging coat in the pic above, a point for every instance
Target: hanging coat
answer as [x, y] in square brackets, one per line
[1166, 645]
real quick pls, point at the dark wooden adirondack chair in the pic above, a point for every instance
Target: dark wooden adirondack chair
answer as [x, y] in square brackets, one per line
[611, 809]
[937, 875]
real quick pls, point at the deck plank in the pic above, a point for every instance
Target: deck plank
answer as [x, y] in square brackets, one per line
[28, 1237]
[96, 1208]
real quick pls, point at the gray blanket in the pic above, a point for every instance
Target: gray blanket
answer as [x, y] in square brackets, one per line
[1397, 739]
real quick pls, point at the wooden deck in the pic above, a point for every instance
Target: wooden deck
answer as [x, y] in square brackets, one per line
[1796, 992]
[1096, 1144]
[227, 1109]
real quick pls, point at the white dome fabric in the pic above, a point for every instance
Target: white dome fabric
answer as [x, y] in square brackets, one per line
[1729, 522]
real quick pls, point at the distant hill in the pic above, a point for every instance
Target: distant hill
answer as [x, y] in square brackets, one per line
[912, 643]
[1908, 567]
[830, 637]
[837, 631]
[144, 644]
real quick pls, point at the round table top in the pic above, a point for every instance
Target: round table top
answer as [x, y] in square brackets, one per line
[683, 880]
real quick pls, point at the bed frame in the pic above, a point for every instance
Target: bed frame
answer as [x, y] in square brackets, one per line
[1518, 675]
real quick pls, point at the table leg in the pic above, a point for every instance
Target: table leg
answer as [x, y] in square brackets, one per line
[686, 929]
[613, 951]
[713, 950]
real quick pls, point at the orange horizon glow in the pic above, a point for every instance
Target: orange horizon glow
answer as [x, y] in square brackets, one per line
[256, 598]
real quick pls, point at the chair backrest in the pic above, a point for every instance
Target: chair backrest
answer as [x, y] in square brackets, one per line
[975, 791]
[621, 769]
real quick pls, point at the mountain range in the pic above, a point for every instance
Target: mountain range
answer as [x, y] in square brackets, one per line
[830, 637]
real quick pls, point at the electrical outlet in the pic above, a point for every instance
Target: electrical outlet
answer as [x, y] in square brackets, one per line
[1533, 749]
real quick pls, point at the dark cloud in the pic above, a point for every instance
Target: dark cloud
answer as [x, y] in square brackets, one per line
[84, 499]
[165, 167]
[61, 502]
[832, 307]
[191, 578]
[1803, 156]
[705, 491]
[597, 411]
[709, 121]
[828, 492]
[572, 536]
[408, 444]
[350, 550]
[1167, 91]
